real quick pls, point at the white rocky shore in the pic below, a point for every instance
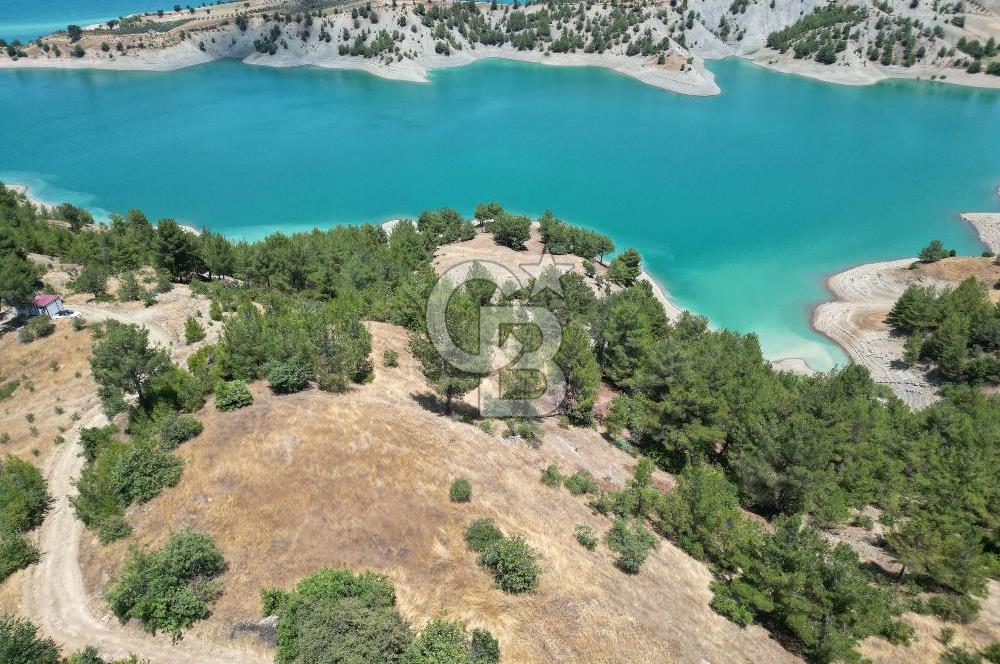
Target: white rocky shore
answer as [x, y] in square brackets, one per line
[711, 29]
[856, 319]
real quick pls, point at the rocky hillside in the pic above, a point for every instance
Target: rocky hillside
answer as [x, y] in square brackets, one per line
[665, 43]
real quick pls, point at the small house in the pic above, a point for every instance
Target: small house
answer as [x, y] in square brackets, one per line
[48, 305]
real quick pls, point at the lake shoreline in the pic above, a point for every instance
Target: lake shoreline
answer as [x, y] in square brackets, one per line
[866, 292]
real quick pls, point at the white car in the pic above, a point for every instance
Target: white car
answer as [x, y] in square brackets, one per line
[67, 313]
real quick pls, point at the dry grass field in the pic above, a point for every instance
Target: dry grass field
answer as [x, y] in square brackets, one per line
[295, 483]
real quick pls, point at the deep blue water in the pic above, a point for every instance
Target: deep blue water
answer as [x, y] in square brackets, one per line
[742, 204]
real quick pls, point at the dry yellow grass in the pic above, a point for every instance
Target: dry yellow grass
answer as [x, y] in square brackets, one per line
[55, 374]
[955, 270]
[295, 483]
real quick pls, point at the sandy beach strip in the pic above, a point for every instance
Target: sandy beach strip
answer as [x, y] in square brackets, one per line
[864, 296]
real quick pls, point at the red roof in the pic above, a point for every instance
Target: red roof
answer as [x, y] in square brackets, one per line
[43, 301]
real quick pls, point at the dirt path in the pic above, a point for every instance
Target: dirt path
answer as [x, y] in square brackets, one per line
[53, 594]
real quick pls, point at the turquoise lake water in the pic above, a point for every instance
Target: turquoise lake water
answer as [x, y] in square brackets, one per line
[741, 204]
[27, 19]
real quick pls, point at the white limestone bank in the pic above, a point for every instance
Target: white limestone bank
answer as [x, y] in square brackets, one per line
[856, 319]
[680, 72]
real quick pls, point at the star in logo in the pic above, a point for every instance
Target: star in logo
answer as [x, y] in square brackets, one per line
[546, 273]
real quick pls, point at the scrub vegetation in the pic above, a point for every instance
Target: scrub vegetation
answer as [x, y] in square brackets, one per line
[805, 453]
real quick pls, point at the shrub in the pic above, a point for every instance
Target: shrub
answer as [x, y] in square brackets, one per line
[231, 395]
[193, 330]
[461, 491]
[481, 534]
[215, 311]
[79, 323]
[484, 648]
[23, 496]
[167, 590]
[142, 470]
[94, 439]
[175, 429]
[954, 608]
[581, 482]
[444, 641]
[36, 328]
[129, 289]
[632, 542]
[337, 616]
[514, 564]
[863, 521]
[947, 635]
[586, 536]
[8, 388]
[960, 656]
[899, 633]
[729, 607]
[992, 653]
[288, 377]
[16, 553]
[21, 644]
[390, 358]
[551, 476]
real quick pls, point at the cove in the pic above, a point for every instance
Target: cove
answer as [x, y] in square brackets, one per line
[741, 204]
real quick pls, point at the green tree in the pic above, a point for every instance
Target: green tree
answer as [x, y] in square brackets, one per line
[129, 289]
[933, 252]
[123, 363]
[176, 250]
[20, 643]
[193, 330]
[911, 350]
[511, 231]
[93, 278]
[168, 589]
[583, 375]
[17, 277]
[448, 380]
[625, 269]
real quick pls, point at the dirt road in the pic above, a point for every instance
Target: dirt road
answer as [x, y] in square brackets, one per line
[54, 596]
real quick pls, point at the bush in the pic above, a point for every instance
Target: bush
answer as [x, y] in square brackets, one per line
[960, 656]
[232, 395]
[16, 553]
[581, 482]
[288, 377]
[960, 609]
[514, 564]
[21, 644]
[448, 642]
[167, 590]
[481, 534]
[899, 633]
[729, 607]
[94, 439]
[551, 476]
[390, 358]
[79, 323]
[992, 653]
[586, 536]
[175, 429]
[484, 648]
[461, 491]
[632, 542]
[337, 616]
[193, 330]
[23, 496]
[36, 328]
[129, 289]
[142, 470]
